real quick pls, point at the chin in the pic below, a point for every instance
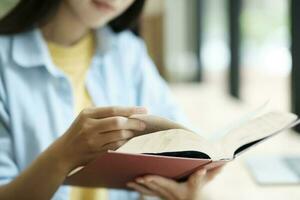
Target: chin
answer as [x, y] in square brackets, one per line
[94, 24]
[97, 25]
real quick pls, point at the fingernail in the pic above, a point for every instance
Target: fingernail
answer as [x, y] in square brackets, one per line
[140, 180]
[201, 173]
[142, 126]
[140, 110]
[148, 180]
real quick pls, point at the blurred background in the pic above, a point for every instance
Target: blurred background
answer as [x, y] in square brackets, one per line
[233, 51]
[219, 49]
[223, 58]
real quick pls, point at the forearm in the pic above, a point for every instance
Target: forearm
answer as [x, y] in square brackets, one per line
[81, 143]
[39, 181]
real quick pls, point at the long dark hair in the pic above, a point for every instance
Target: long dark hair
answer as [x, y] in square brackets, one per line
[29, 13]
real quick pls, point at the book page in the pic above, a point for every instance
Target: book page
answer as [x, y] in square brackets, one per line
[257, 129]
[220, 133]
[173, 140]
[156, 123]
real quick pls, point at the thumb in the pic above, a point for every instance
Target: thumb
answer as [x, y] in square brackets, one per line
[198, 179]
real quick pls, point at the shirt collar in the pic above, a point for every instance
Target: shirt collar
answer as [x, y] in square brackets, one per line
[29, 49]
[106, 40]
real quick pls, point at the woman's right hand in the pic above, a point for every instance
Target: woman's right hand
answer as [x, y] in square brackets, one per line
[95, 131]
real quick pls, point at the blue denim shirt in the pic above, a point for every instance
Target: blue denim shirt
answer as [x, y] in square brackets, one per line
[36, 99]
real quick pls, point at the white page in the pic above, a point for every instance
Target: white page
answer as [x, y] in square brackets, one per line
[258, 128]
[222, 132]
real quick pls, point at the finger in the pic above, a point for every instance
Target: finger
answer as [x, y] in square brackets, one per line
[114, 136]
[211, 174]
[166, 184]
[116, 123]
[216, 170]
[197, 179]
[112, 146]
[103, 112]
[141, 189]
[156, 188]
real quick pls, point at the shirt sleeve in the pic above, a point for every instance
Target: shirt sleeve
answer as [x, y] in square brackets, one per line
[8, 167]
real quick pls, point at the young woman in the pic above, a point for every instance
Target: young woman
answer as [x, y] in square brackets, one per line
[65, 58]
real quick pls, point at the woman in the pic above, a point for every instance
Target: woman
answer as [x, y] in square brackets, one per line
[57, 58]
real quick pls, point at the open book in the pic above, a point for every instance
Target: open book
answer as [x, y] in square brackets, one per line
[168, 149]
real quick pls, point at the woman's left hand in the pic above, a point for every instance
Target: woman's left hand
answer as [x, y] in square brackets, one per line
[169, 189]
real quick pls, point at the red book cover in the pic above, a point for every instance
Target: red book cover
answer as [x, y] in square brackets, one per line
[114, 169]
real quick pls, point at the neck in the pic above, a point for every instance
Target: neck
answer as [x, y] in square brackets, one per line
[64, 28]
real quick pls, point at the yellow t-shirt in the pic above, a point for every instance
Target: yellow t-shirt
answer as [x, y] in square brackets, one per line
[74, 61]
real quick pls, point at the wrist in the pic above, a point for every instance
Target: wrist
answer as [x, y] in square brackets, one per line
[56, 154]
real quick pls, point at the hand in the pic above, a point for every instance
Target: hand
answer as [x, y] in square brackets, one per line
[171, 190]
[95, 131]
